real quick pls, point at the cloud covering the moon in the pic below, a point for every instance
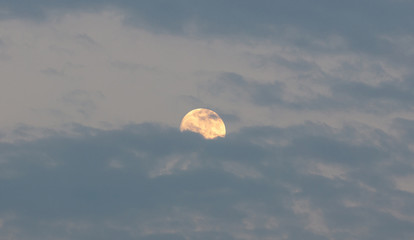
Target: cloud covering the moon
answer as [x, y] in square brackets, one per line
[205, 122]
[151, 181]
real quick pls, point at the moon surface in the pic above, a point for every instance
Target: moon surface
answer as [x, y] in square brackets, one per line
[205, 122]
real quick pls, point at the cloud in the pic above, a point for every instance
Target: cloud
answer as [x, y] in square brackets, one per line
[83, 101]
[149, 181]
[382, 98]
[307, 91]
[97, 52]
[361, 24]
[405, 127]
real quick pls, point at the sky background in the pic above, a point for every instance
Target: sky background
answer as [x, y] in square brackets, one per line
[317, 98]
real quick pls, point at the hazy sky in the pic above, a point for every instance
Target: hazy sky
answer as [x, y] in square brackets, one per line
[317, 97]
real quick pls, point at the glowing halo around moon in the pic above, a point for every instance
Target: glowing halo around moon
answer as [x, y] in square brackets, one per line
[205, 122]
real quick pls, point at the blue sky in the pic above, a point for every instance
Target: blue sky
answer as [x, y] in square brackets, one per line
[317, 98]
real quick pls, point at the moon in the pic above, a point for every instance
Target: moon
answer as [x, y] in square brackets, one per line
[205, 122]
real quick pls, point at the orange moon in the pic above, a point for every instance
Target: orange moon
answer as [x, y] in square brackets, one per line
[205, 122]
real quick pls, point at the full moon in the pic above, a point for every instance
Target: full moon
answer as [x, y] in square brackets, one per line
[205, 122]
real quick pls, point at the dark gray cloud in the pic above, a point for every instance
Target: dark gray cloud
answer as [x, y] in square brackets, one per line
[362, 24]
[405, 127]
[382, 98]
[263, 94]
[152, 182]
